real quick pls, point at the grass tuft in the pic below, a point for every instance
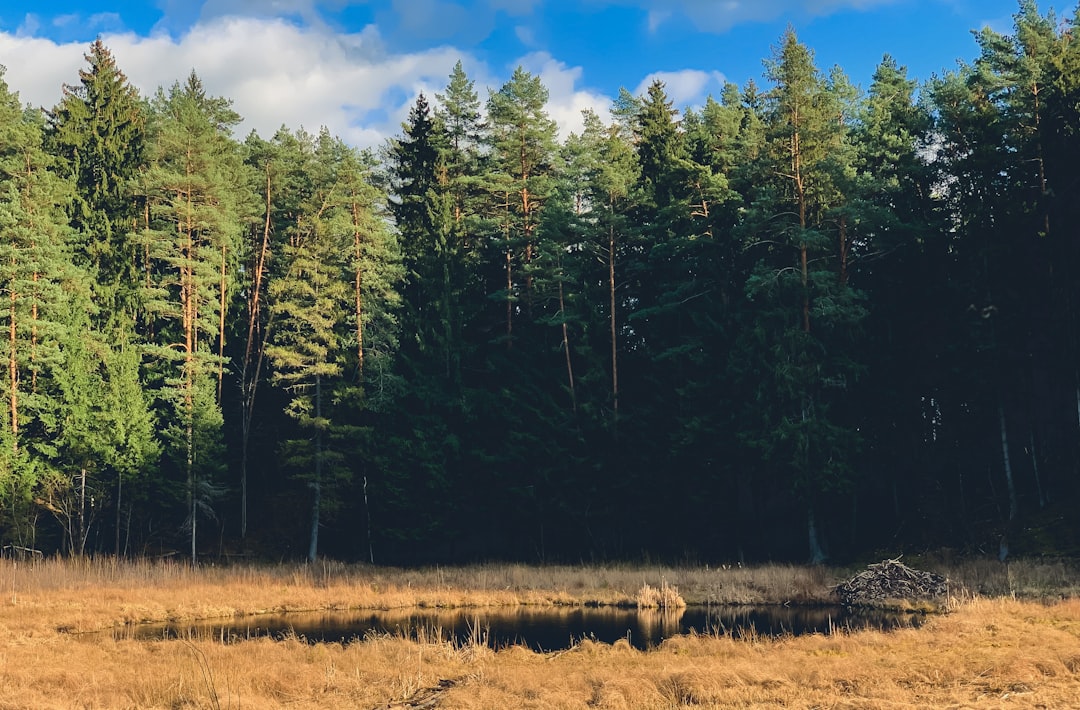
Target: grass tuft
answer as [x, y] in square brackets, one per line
[666, 597]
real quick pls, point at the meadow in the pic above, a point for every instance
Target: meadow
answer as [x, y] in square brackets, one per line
[1011, 638]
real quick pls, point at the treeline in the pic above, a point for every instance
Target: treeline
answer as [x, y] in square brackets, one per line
[801, 321]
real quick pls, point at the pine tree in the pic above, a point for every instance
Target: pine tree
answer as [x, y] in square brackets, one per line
[334, 331]
[33, 240]
[899, 261]
[802, 311]
[459, 113]
[608, 176]
[191, 228]
[522, 141]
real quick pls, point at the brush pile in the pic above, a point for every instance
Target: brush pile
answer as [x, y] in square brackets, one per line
[889, 581]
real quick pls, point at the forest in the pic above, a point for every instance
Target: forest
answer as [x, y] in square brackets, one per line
[803, 321]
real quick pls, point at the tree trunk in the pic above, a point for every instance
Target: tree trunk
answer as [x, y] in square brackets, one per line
[844, 247]
[119, 508]
[34, 335]
[817, 551]
[614, 331]
[1035, 468]
[566, 348]
[221, 328]
[1078, 401]
[188, 297]
[1035, 90]
[13, 366]
[313, 546]
[358, 294]
[82, 512]
[1005, 460]
[509, 278]
[367, 514]
[805, 288]
[249, 382]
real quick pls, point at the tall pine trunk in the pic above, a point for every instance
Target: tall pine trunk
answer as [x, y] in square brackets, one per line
[817, 550]
[566, 348]
[249, 381]
[358, 293]
[316, 502]
[614, 331]
[1007, 464]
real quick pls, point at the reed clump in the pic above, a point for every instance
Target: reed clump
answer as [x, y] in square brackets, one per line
[664, 597]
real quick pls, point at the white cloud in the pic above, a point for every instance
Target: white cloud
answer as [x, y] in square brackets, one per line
[440, 20]
[525, 35]
[657, 18]
[514, 7]
[38, 68]
[1001, 25]
[104, 21]
[275, 72]
[565, 100]
[683, 88]
[30, 25]
[722, 15]
[279, 72]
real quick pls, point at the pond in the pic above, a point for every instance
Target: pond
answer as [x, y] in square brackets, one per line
[539, 628]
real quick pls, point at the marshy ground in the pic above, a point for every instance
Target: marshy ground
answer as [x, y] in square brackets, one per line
[1011, 639]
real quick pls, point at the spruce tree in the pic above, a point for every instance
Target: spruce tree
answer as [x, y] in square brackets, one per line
[98, 130]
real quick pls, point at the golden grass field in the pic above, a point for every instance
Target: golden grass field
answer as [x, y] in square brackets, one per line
[1012, 640]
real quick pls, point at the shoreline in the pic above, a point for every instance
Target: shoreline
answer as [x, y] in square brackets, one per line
[985, 652]
[141, 591]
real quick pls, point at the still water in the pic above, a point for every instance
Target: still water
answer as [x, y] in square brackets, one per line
[539, 628]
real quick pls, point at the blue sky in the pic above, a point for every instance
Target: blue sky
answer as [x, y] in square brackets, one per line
[356, 65]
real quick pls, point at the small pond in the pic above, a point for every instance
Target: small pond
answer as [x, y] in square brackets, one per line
[539, 628]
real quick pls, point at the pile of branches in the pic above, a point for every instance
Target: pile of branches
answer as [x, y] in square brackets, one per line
[891, 580]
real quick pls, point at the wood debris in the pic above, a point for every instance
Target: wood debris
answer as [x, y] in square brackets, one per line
[425, 698]
[891, 580]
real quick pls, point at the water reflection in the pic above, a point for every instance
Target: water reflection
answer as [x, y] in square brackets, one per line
[539, 628]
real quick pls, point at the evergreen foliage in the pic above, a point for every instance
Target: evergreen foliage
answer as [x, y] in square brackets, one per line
[797, 321]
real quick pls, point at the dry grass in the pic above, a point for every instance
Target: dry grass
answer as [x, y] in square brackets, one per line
[84, 595]
[988, 653]
[666, 597]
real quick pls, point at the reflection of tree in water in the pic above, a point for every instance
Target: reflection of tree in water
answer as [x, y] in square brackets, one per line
[795, 621]
[546, 628]
[655, 623]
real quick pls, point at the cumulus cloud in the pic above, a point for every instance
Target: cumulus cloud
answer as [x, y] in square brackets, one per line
[286, 70]
[274, 71]
[525, 35]
[688, 87]
[566, 100]
[38, 68]
[722, 15]
[182, 14]
[657, 18]
[515, 7]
